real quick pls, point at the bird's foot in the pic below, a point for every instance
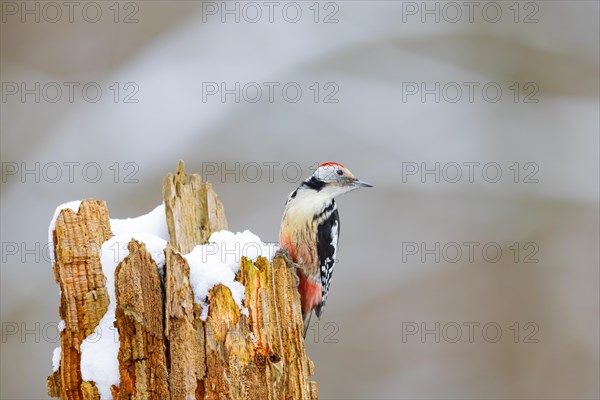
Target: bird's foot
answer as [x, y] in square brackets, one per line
[283, 253]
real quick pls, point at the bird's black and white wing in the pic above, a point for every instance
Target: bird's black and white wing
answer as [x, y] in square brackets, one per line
[327, 244]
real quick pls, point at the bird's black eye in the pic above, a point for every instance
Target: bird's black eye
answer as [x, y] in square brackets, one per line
[340, 172]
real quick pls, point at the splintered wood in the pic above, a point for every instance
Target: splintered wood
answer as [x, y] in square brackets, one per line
[166, 351]
[184, 330]
[78, 238]
[193, 210]
[139, 320]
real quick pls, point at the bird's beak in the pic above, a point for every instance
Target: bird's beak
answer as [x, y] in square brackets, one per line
[359, 183]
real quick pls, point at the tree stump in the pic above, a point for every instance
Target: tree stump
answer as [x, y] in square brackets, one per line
[166, 351]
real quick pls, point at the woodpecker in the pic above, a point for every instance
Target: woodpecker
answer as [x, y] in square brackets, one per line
[308, 237]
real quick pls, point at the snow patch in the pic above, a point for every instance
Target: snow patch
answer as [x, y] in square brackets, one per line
[218, 261]
[153, 223]
[56, 354]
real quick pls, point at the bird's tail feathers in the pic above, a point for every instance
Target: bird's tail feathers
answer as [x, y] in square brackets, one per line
[307, 322]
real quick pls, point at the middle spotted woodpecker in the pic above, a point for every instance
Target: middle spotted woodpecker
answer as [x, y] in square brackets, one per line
[308, 237]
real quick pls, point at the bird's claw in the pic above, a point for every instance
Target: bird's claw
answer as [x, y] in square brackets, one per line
[295, 272]
[283, 253]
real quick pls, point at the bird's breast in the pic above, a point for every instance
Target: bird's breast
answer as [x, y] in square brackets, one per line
[298, 235]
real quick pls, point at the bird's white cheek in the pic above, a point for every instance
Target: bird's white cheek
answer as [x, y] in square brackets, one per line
[346, 189]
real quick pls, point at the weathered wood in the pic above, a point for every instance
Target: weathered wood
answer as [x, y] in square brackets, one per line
[192, 208]
[184, 330]
[257, 357]
[139, 319]
[166, 351]
[193, 212]
[234, 356]
[90, 391]
[53, 384]
[276, 323]
[78, 238]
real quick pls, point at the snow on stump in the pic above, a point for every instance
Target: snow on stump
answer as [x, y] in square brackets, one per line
[147, 314]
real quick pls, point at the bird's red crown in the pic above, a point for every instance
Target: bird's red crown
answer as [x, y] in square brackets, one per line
[327, 164]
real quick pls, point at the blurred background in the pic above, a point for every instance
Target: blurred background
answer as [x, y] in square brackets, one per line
[470, 270]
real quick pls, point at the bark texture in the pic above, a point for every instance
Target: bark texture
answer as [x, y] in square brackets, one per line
[139, 320]
[78, 238]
